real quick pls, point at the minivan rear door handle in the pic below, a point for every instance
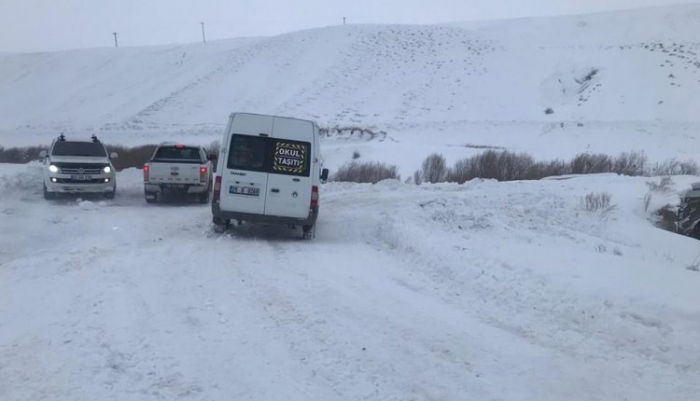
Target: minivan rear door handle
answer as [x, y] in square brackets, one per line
[275, 190]
[296, 180]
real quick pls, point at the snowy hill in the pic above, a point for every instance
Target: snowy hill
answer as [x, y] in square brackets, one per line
[615, 82]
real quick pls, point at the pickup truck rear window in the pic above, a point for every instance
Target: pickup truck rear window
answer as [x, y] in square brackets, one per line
[178, 154]
[269, 155]
[87, 149]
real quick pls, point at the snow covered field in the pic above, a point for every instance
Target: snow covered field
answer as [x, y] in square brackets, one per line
[487, 291]
[481, 291]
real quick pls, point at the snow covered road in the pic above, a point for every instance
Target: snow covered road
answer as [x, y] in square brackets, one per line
[484, 291]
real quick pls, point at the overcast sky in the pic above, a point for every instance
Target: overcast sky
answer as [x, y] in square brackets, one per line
[45, 25]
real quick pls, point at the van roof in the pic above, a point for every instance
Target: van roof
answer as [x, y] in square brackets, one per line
[272, 115]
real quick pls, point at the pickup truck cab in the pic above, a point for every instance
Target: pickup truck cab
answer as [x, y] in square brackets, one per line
[78, 167]
[179, 170]
[269, 171]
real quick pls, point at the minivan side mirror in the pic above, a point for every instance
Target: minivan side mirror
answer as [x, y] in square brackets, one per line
[114, 155]
[43, 154]
[324, 174]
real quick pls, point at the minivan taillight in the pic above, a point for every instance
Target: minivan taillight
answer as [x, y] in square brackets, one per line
[202, 174]
[217, 189]
[314, 197]
[146, 173]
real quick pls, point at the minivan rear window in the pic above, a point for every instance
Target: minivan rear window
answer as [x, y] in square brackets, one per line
[269, 155]
[182, 154]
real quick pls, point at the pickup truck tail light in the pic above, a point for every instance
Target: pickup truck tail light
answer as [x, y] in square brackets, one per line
[314, 197]
[217, 189]
[203, 174]
[146, 173]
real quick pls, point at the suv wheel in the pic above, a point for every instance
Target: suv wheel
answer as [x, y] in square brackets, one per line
[49, 195]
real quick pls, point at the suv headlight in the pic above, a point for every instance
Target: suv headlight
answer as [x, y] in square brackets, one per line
[107, 170]
[53, 169]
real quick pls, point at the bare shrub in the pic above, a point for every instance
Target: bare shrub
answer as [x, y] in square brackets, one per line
[20, 155]
[213, 151]
[591, 163]
[596, 201]
[462, 171]
[214, 148]
[355, 155]
[631, 163]
[695, 265]
[675, 167]
[369, 172]
[503, 166]
[417, 177]
[434, 168]
[130, 157]
[548, 110]
[551, 168]
[647, 201]
[664, 185]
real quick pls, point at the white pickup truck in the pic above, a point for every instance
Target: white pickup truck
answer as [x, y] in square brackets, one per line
[179, 170]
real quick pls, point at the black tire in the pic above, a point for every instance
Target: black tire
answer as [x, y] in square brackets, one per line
[152, 200]
[308, 232]
[221, 225]
[49, 195]
[204, 197]
[110, 195]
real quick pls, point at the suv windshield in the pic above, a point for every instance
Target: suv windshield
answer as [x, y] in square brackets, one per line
[89, 149]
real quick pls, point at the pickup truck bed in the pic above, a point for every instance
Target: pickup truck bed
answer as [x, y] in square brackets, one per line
[178, 170]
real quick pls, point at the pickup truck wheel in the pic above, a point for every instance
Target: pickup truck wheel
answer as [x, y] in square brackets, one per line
[151, 197]
[49, 195]
[110, 195]
[204, 197]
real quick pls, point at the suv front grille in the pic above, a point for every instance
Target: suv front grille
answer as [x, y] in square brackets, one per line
[80, 168]
[71, 181]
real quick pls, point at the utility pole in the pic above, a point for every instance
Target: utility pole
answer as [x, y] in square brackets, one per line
[204, 38]
[116, 44]
[343, 20]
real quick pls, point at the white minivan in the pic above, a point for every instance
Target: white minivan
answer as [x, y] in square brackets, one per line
[268, 171]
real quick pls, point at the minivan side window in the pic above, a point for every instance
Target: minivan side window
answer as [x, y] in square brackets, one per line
[269, 155]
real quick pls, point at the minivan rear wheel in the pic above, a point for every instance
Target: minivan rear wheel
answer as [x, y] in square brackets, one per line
[309, 232]
[221, 225]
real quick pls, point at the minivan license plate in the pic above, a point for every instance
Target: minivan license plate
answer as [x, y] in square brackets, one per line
[233, 189]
